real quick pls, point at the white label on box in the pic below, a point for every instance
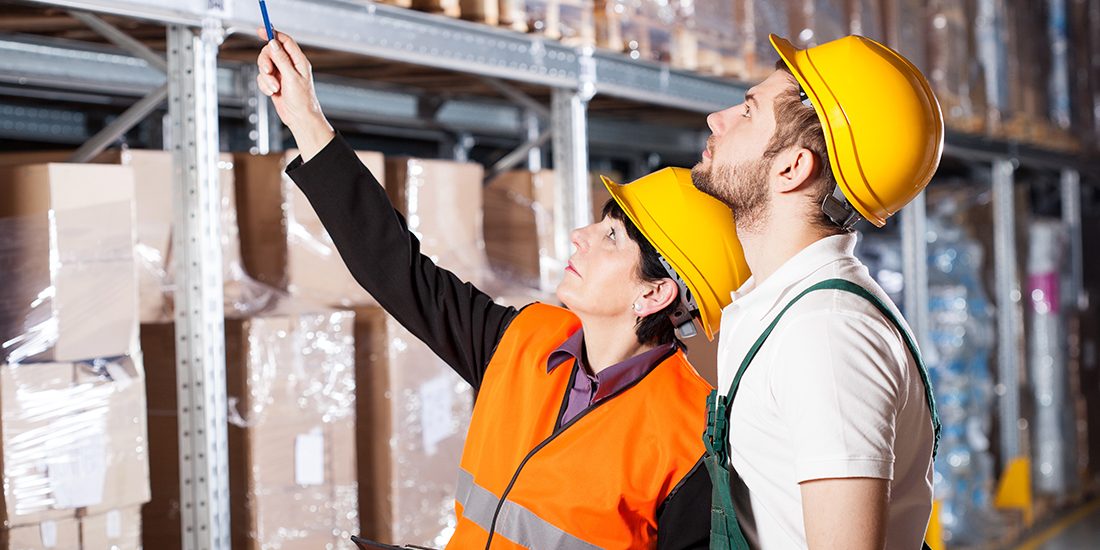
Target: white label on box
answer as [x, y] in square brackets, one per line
[114, 524]
[78, 473]
[309, 458]
[436, 412]
[49, 533]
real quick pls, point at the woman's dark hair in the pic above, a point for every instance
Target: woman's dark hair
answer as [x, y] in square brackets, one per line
[655, 329]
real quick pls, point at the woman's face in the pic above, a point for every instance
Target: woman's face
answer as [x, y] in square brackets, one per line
[601, 278]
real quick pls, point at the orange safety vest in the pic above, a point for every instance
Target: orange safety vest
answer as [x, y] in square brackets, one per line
[598, 481]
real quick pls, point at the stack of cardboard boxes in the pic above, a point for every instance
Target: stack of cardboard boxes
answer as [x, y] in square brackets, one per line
[72, 423]
[290, 384]
[338, 422]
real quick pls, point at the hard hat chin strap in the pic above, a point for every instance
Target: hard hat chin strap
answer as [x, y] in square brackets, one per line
[685, 305]
[839, 210]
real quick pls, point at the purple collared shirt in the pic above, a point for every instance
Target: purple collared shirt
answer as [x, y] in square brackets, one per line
[589, 389]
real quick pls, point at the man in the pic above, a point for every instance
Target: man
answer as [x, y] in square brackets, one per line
[832, 431]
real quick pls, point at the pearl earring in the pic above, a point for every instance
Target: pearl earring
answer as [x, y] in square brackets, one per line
[637, 307]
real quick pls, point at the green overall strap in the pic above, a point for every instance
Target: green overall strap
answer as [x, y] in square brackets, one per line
[725, 530]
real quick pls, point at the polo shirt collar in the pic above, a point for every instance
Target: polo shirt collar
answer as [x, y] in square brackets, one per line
[773, 291]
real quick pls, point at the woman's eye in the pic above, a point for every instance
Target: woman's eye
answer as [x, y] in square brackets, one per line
[746, 115]
[611, 233]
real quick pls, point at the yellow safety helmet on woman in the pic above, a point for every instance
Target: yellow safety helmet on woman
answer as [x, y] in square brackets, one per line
[695, 236]
[882, 123]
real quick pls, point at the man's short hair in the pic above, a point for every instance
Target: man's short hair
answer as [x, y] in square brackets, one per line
[797, 125]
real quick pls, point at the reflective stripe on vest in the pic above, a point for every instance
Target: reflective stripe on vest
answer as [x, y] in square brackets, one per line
[515, 522]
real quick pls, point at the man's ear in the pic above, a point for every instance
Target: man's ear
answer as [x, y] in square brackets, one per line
[657, 296]
[794, 168]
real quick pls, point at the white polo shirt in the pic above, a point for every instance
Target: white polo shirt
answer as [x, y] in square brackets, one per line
[833, 393]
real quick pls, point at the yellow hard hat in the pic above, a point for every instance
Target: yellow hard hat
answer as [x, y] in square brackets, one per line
[695, 235]
[882, 123]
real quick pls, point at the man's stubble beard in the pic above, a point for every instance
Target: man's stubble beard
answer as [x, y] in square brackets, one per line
[742, 187]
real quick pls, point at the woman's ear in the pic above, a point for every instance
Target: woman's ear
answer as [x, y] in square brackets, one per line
[656, 296]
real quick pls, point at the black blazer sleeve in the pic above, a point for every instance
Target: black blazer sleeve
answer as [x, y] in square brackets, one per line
[460, 323]
[683, 521]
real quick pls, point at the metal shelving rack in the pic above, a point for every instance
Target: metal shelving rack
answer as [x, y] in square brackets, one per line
[573, 76]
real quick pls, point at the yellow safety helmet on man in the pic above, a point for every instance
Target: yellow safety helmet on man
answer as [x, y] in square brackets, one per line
[695, 234]
[882, 123]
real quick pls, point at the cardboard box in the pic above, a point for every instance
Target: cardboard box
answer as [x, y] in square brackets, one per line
[513, 14]
[74, 439]
[722, 31]
[153, 222]
[61, 534]
[570, 21]
[953, 62]
[118, 529]
[69, 230]
[291, 395]
[450, 8]
[519, 227]
[414, 412]
[284, 244]
[442, 204]
[480, 11]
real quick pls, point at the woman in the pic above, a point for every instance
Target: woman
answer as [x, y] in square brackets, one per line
[586, 430]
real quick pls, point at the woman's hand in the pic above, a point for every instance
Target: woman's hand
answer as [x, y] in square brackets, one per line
[287, 78]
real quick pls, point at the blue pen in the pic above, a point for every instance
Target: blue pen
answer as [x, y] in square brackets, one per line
[267, 22]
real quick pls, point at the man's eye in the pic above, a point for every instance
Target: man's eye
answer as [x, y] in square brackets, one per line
[611, 233]
[746, 115]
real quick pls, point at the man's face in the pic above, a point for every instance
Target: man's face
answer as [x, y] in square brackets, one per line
[732, 169]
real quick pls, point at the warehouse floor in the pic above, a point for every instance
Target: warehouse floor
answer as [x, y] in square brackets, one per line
[1077, 530]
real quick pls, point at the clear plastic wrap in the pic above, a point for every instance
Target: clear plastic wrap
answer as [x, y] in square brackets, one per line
[720, 30]
[290, 387]
[962, 322]
[955, 71]
[865, 19]
[114, 530]
[1053, 428]
[283, 242]
[570, 21]
[519, 227]
[73, 443]
[416, 411]
[442, 204]
[781, 18]
[905, 28]
[66, 257]
[513, 14]
[830, 20]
